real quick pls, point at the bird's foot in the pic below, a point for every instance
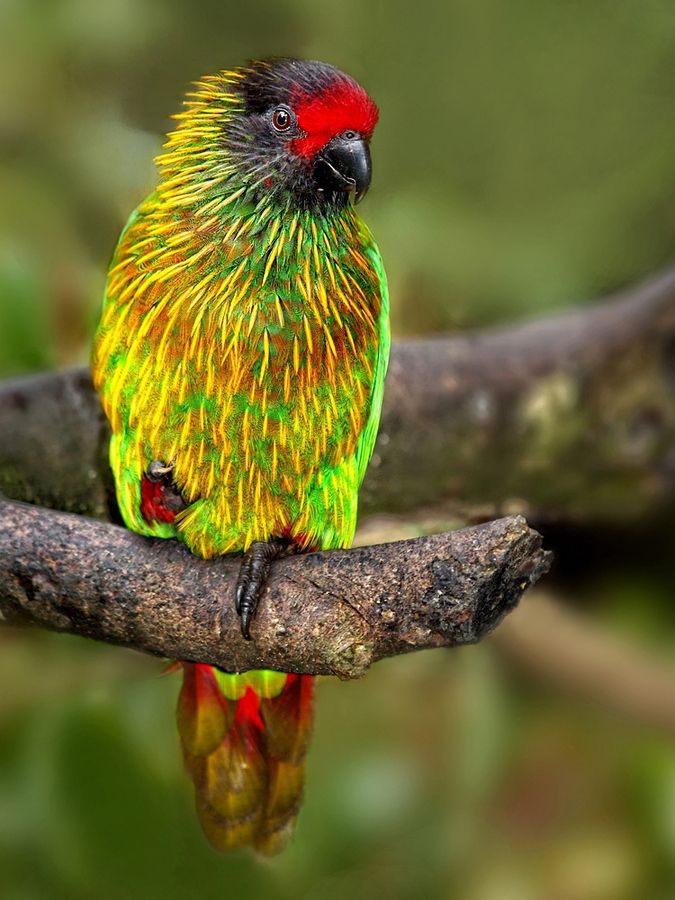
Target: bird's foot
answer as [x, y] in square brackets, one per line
[253, 574]
[158, 471]
[162, 499]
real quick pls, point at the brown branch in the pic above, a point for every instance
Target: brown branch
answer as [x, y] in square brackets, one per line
[549, 640]
[322, 613]
[572, 417]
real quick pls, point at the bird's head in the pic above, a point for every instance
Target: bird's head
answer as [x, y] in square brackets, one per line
[291, 129]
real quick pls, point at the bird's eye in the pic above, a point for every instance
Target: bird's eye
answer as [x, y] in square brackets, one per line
[282, 118]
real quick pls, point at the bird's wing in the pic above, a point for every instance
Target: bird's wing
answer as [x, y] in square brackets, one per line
[366, 443]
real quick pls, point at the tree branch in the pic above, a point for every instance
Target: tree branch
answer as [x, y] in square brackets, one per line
[569, 417]
[549, 640]
[321, 613]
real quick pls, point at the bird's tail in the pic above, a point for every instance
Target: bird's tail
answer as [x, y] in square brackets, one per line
[244, 742]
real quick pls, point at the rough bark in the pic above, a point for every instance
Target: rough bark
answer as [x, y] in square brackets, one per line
[569, 417]
[321, 613]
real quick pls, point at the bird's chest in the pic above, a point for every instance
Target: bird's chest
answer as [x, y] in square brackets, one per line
[265, 399]
[258, 382]
[291, 389]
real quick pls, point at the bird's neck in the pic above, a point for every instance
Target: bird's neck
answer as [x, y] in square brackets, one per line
[266, 233]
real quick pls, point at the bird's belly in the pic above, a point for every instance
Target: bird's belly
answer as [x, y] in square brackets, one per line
[260, 422]
[260, 466]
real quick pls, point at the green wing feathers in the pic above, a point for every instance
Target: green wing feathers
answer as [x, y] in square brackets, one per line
[366, 444]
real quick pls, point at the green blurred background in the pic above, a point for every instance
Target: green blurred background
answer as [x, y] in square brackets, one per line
[524, 161]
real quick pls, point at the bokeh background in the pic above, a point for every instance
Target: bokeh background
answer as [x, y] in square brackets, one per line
[524, 162]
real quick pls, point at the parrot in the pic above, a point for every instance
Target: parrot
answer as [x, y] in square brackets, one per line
[240, 360]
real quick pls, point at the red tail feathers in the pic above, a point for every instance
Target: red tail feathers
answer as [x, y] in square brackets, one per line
[246, 756]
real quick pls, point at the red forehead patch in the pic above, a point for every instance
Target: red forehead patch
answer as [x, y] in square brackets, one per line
[342, 106]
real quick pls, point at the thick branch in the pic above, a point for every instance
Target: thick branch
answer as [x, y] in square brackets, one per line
[323, 613]
[571, 417]
[551, 641]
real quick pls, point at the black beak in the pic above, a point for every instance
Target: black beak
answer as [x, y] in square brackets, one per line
[344, 165]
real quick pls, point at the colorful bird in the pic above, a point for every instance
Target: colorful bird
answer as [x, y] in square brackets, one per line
[240, 359]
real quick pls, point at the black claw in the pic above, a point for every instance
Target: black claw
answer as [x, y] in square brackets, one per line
[242, 583]
[246, 616]
[253, 574]
[159, 471]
